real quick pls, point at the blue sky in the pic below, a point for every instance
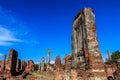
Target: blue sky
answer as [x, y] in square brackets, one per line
[33, 26]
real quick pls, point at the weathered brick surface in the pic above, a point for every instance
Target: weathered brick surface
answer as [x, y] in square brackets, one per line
[59, 75]
[58, 65]
[49, 67]
[30, 66]
[68, 62]
[13, 68]
[18, 65]
[1, 64]
[24, 66]
[110, 69]
[87, 63]
[85, 48]
[58, 72]
[74, 74]
[12, 61]
[117, 72]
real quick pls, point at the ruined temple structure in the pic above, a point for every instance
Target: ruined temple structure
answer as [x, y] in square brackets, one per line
[12, 61]
[68, 62]
[85, 62]
[2, 64]
[58, 65]
[30, 66]
[58, 72]
[117, 72]
[85, 48]
[13, 68]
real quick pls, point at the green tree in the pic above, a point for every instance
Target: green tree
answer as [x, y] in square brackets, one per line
[115, 55]
[36, 66]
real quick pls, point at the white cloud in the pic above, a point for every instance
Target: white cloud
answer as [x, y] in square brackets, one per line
[11, 27]
[1, 54]
[52, 62]
[37, 62]
[7, 37]
[3, 43]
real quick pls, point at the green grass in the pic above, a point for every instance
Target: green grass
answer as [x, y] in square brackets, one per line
[46, 74]
[29, 75]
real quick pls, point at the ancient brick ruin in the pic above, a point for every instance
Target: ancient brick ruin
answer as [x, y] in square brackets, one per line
[117, 71]
[86, 62]
[43, 64]
[30, 66]
[12, 61]
[48, 56]
[14, 68]
[49, 67]
[85, 48]
[68, 62]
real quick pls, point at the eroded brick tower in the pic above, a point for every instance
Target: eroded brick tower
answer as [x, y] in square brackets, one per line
[85, 49]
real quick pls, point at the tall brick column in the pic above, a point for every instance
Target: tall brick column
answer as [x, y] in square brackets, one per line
[85, 48]
[12, 61]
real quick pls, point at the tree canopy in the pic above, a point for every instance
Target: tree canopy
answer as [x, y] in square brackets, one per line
[115, 55]
[36, 66]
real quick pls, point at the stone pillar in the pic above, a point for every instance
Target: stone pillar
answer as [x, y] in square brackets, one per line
[43, 64]
[109, 55]
[39, 66]
[48, 56]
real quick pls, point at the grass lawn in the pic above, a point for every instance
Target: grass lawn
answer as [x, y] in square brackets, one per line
[39, 74]
[49, 75]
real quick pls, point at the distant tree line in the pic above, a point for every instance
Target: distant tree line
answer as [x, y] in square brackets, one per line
[36, 66]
